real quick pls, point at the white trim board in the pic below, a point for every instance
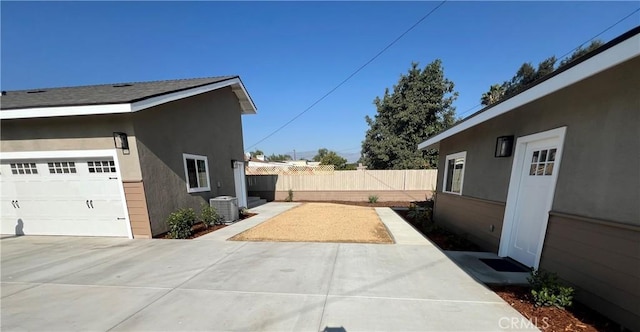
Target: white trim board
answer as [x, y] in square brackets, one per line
[40, 112]
[22, 155]
[617, 54]
[514, 188]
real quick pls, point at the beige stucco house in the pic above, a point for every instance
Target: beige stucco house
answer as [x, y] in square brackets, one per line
[550, 177]
[117, 159]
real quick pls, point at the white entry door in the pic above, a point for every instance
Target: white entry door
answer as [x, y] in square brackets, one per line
[240, 183]
[530, 196]
[62, 196]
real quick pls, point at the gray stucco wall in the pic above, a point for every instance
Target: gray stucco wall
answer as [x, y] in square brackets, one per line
[593, 234]
[93, 132]
[208, 124]
[599, 175]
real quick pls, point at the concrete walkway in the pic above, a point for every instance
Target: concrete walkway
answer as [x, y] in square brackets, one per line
[65, 283]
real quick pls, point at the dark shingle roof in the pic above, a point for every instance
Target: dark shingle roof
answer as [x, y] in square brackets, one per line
[116, 93]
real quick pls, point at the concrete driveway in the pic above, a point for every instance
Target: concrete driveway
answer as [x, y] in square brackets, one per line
[98, 284]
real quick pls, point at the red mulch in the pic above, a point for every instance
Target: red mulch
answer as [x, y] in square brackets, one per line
[199, 229]
[577, 318]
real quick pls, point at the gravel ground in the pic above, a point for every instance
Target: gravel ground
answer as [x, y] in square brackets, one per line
[321, 222]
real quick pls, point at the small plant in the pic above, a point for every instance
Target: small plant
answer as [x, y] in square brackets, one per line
[373, 198]
[243, 212]
[547, 290]
[421, 215]
[289, 196]
[180, 223]
[209, 215]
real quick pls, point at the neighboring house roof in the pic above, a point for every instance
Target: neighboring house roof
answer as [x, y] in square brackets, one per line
[621, 49]
[113, 98]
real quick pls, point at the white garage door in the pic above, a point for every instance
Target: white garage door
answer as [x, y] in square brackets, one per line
[62, 196]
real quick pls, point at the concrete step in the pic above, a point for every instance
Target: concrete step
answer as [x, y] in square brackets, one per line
[255, 202]
[253, 199]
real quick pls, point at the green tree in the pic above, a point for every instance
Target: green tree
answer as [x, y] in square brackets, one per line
[495, 93]
[419, 107]
[579, 52]
[326, 157]
[527, 74]
[279, 157]
[255, 153]
[524, 77]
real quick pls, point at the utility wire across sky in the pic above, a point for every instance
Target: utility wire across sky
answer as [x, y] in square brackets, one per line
[461, 115]
[350, 76]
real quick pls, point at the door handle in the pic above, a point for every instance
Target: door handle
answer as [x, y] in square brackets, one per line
[88, 204]
[18, 205]
[91, 203]
[14, 204]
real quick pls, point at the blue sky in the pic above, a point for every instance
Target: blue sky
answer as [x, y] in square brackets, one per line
[289, 54]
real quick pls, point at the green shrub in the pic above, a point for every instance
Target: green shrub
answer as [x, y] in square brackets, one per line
[547, 290]
[289, 196]
[243, 212]
[373, 198]
[209, 215]
[180, 223]
[421, 217]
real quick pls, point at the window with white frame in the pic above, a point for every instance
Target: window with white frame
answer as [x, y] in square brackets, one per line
[454, 173]
[196, 169]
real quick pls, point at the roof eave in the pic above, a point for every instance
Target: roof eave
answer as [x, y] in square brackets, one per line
[621, 52]
[246, 104]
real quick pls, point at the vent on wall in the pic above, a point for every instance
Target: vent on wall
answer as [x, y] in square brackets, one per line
[36, 91]
[121, 85]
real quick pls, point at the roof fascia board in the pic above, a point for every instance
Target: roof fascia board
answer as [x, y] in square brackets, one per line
[169, 97]
[45, 112]
[42, 112]
[622, 52]
[251, 110]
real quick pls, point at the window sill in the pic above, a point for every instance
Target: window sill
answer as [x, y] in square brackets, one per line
[198, 190]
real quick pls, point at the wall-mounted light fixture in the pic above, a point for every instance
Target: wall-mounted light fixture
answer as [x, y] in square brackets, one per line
[504, 146]
[120, 140]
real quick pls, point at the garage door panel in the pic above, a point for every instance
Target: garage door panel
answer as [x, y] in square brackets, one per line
[72, 227]
[64, 198]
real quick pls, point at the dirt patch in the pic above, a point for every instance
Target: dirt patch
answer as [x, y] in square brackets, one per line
[376, 204]
[575, 318]
[321, 222]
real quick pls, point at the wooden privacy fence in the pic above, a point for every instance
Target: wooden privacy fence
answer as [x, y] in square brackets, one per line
[361, 180]
[276, 170]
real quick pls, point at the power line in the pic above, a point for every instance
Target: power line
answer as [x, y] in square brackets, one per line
[576, 48]
[469, 110]
[601, 32]
[352, 74]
